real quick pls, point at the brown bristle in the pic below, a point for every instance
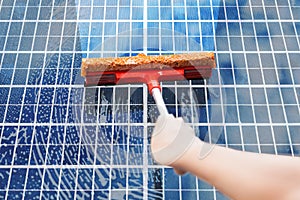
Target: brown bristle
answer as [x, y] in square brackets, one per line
[142, 61]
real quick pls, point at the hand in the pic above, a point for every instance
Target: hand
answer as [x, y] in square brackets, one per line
[171, 138]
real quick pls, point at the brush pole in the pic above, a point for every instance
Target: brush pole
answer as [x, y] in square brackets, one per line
[159, 101]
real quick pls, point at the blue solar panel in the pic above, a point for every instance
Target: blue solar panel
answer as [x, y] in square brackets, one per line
[61, 140]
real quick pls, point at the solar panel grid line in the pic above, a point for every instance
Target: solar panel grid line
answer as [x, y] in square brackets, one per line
[136, 51]
[145, 171]
[172, 24]
[6, 110]
[76, 188]
[260, 64]
[130, 28]
[82, 166]
[145, 25]
[127, 144]
[234, 81]
[281, 98]
[80, 127]
[159, 30]
[95, 145]
[149, 20]
[18, 48]
[145, 142]
[97, 120]
[199, 24]
[1, 61]
[29, 124]
[112, 141]
[290, 66]
[266, 96]
[43, 187]
[117, 29]
[268, 105]
[103, 27]
[166, 85]
[90, 30]
[293, 22]
[19, 120]
[250, 91]
[186, 26]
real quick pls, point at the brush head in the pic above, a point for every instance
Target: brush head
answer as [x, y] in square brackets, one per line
[147, 69]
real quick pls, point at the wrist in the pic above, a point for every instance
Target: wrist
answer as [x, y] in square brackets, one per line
[191, 153]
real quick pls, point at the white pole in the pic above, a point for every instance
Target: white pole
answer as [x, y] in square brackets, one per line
[159, 101]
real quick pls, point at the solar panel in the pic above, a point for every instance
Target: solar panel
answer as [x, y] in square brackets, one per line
[61, 140]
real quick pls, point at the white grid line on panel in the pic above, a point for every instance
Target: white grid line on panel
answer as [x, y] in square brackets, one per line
[145, 25]
[156, 20]
[251, 96]
[96, 142]
[79, 148]
[234, 83]
[281, 99]
[267, 100]
[265, 93]
[1, 61]
[90, 30]
[178, 52]
[269, 6]
[165, 85]
[103, 30]
[173, 26]
[152, 124]
[80, 135]
[130, 29]
[68, 104]
[112, 141]
[51, 112]
[193, 121]
[145, 143]
[199, 26]
[21, 110]
[293, 22]
[145, 105]
[159, 29]
[127, 144]
[186, 27]
[289, 63]
[97, 120]
[117, 30]
[36, 109]
[5, 114]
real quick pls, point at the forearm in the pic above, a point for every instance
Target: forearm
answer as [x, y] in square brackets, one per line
[244, 175]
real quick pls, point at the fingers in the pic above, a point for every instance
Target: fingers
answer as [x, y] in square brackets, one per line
[179, 171]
